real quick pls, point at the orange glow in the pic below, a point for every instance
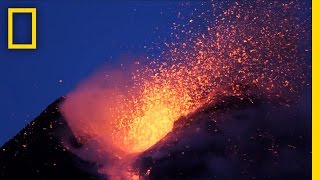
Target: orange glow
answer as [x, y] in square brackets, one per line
[248, 49]
[126, 114]
[151, 118]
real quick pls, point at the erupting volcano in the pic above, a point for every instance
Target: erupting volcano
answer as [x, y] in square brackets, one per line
[251, 43]
[123, 116]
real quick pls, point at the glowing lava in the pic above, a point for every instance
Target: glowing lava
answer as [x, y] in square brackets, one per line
[151, 118]
[248, 42]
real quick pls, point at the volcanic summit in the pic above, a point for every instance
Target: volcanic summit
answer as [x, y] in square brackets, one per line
[236, 136]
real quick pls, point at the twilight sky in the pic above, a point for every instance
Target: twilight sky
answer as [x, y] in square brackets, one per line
[74, 39]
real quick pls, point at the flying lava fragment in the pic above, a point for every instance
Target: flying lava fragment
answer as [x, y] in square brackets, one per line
[122, 113]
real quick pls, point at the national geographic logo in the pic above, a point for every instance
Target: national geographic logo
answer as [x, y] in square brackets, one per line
[33, 12]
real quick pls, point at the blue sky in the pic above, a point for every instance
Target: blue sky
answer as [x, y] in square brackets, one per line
[74, 39]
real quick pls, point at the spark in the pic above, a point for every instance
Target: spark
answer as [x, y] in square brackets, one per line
[249, 42]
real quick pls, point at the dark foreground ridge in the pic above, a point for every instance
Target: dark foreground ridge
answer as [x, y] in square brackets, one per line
[37, 152]
[240, 136]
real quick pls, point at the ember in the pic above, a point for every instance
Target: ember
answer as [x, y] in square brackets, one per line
[242, 42]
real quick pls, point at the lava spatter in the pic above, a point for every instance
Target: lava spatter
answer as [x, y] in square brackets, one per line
[220, 45]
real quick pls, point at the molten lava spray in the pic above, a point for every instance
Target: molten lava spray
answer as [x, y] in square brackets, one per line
[120, 113]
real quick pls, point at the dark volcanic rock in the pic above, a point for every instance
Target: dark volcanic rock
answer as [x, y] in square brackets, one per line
[234, 137]
[238, 135]
[37, 151]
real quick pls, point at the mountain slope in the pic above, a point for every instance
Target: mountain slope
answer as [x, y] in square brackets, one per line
[237, 135]
[37, 152]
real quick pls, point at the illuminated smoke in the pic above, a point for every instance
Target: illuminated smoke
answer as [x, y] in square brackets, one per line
[122, 113]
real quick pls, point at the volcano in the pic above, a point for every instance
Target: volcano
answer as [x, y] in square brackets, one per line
[37, 151]
[239, 135]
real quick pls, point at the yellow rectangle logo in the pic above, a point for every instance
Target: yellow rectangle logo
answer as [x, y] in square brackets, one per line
[33, 12]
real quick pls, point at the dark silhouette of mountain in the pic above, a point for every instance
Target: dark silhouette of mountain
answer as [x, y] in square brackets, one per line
[37, 152]
[238, 135]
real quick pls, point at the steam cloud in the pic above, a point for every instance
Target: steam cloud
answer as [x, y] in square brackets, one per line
[119, 114]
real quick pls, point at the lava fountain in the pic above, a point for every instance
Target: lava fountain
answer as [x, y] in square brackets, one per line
[120, 113]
